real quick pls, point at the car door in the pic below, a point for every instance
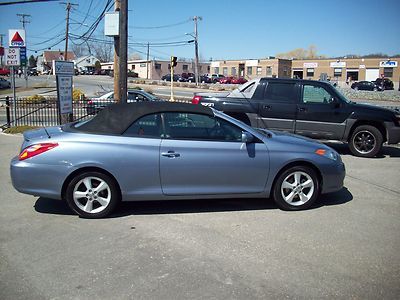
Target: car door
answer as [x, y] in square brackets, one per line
[277, 108]
[321, 114]
[204, 155]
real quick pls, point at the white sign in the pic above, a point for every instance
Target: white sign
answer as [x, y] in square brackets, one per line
[310, 65]
[388, 64]
[215, 64]
[16, 37]
[12, 56]
[338, 64]
[362, 66]
[63, 67]
[252, 63]
[64, 91]
[111, 24]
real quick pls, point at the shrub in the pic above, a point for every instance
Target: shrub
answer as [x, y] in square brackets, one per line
[18, 129]
[35, 98]
[78, 95]
[154, 82]
[136, 87]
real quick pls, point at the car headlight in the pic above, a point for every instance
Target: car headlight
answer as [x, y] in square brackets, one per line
[328, 153]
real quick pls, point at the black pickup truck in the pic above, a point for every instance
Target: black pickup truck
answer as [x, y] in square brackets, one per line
[314, 109]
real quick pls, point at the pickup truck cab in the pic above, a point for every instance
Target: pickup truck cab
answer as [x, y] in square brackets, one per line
[315, 109]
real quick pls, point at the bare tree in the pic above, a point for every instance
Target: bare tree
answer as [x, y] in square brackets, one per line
[104, 50]
[80, 50]
[300, 53]
[135, 56]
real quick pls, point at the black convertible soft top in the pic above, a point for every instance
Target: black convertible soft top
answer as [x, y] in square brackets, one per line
[116, 118]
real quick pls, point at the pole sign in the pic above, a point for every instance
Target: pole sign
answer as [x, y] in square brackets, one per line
[64, 71]
[64, 90]
[12, 56]
[16, 37]
[22, 55]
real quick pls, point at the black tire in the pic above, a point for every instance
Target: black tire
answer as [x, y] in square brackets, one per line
[297, 203]
[366, 141]
[112, 193]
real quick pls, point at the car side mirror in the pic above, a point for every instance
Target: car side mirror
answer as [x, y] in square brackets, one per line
[334, 102]
[247, 137]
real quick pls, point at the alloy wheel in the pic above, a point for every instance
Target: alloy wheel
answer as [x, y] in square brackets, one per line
[297, 188]
[92, 195]
[364, 142]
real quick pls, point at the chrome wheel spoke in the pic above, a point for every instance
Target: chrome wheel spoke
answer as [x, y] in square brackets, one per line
[288, 185]
[101, 187]
[79, 195]
[297, 177]
[309, 183]
[88, 206]
[289, 198]
[88, 183]
[103, 201]
[303, 197]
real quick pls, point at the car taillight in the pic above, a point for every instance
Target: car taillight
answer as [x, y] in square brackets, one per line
[36, 149]
[196, 99]
[90, 102]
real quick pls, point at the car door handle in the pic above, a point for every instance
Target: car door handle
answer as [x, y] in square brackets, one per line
[170, 154]
[302, 109]
[267, 107]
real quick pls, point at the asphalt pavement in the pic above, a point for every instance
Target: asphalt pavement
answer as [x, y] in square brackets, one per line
[347, 247]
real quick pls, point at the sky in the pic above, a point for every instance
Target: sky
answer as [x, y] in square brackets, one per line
[228, 29]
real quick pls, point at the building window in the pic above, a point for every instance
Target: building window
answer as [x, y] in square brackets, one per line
[388, 72]
[142, 65]
[208, 69]
[157, 66]
[268, 71]
[169, 66]
[310, 72]
[259, 70]
[185, 67]
[216, 70]
[200, 68]
[233, 71]
[249, 70]
[337, 72]
[225, 71]
[285, 71]
[133, 67]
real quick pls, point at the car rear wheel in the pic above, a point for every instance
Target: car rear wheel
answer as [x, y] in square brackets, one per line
[296, 188]
[366, 141]
[92, 195]
[356, 88]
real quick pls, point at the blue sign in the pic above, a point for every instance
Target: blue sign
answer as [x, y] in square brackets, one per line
[22, 55]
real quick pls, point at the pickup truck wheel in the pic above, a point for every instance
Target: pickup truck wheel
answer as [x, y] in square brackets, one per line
[366, 141]
[296, 188]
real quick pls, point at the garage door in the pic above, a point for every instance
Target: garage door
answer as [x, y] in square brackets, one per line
[371, 74]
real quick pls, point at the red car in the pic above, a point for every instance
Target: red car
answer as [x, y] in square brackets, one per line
[225, 80]
[239, 80]
[4, 72]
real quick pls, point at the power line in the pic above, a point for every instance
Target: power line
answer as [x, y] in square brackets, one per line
[161, 26]
[24, 2]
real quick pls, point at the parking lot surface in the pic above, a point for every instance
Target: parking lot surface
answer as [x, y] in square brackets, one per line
[345, 247]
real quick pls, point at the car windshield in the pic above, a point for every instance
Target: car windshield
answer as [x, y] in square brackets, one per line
[342, 96]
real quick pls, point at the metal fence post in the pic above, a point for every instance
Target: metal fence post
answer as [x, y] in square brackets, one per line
[8, 114]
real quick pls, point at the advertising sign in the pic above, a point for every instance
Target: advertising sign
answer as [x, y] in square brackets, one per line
[12, 56]
[64, 90]
[63, 67]
[338, 64]
[310, 65]
[388, 64]
[16, 37]
[111, 24]
[22, 55]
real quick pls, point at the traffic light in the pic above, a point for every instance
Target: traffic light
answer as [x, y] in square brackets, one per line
[174, 61]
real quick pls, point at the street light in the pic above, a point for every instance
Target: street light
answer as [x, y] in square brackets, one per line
[196, 53]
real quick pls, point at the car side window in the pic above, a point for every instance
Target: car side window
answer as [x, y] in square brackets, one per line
[280, 92]
[316, 94]
[200, 127]
[147, 126]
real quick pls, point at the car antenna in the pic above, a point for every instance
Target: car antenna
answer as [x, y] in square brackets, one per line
[45, 130]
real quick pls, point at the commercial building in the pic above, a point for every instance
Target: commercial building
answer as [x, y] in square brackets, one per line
[155, 69]
[253, 68]
[347, 70]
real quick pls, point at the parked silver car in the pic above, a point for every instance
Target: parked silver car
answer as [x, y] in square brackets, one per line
[164, 151]
[94, 105]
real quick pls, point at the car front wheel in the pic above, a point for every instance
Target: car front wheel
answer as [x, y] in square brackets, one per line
[296, 188]
[92, 195]
[366, 141]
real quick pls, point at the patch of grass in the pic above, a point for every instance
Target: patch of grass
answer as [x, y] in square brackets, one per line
[19, 129]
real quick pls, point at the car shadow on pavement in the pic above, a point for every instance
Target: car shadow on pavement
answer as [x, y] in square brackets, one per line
[57, 207]
[387, 150]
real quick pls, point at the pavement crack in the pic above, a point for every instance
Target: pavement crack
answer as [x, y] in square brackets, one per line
[374, 184]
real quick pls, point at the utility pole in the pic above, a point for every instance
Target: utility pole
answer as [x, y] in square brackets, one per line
[24, 20]
[68, 9]
[1, 45]
[123, 48]
[116, 58]
[147, 60]
[196, 49]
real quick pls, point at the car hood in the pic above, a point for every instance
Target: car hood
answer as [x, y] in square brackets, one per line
[372, 107]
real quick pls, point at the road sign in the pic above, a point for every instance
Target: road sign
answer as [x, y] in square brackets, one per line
[16, 37]
[63, 67]
[12, 56]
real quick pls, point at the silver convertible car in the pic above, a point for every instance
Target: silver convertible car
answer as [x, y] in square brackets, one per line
[165, 151]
